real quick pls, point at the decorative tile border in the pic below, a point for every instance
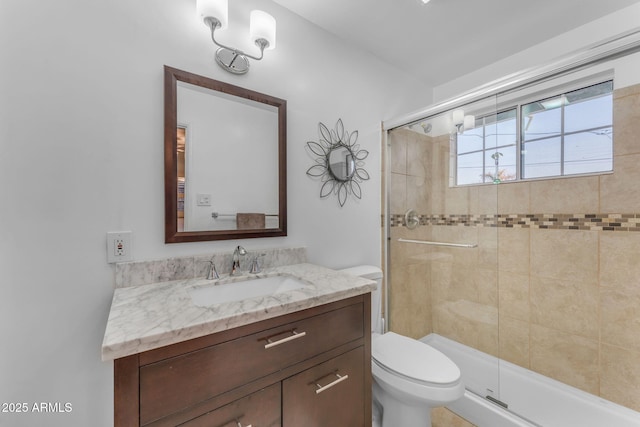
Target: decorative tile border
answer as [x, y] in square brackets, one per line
[592, 222]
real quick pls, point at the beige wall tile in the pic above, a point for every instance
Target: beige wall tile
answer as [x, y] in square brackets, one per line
[626, 91]
[488, 247]
[456, 234]
[399, 299]
[463, 284]
[486, 283]
[514, 341]
[469, 323]
[513, 249]
[456, 200]
[398, 151]
[437, 200]
[626, 123]
[407, 253]
[418, 194]
[488, 338]
[398, 194]
[565, 254]
[514, 296]
[439, 174]
[566, 195]
[619, 263]
[410, 293]
[514, 198]
[620, 380]
[621, 317]
[441, 278]
[620, 192]
[565, 357]
[483, 199]
[419, 154]
[566, 305]
[419, 276]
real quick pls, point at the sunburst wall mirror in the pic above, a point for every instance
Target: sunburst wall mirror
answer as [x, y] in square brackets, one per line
[339, 164]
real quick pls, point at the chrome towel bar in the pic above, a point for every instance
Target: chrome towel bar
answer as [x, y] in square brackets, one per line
[426, 242]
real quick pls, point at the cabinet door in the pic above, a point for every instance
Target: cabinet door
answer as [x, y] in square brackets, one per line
[179, 382]
[259, 409]
[329, 394]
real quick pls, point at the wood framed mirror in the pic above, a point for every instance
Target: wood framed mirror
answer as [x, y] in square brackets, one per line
[225, 160]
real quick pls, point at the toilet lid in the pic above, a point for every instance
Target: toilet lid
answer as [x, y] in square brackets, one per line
[413, 359]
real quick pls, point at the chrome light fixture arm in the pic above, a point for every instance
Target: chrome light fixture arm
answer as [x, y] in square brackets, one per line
[227, 56]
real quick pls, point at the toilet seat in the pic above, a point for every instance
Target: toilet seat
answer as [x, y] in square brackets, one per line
[413, 360]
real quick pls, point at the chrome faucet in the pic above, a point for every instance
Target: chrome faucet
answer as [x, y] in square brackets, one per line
[235, 266]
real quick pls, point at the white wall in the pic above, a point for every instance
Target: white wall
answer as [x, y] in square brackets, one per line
[582, 37]
[81, 127]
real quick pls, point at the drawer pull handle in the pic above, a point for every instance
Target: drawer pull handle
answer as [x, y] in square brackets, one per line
[295, 336]
[339, 380]
[237, 423]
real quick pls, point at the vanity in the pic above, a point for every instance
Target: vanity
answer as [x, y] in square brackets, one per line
[289, 346]
[293, 357]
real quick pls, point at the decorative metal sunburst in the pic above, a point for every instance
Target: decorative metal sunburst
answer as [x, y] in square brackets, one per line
[339, 163]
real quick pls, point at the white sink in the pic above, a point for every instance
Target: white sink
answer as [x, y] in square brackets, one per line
[240, 290]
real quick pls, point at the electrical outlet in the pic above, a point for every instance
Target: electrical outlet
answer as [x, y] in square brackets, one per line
[119, 247]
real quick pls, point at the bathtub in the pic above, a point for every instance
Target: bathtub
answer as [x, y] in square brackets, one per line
[533, 400]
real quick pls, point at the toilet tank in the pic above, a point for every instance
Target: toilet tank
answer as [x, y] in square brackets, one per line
[372, 273]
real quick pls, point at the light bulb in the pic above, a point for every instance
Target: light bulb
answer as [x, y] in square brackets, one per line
[218, 9]
[458, 117]
[263, 26]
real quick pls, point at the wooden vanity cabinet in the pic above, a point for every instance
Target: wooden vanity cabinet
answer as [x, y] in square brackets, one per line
[311, 368]
[309, 398]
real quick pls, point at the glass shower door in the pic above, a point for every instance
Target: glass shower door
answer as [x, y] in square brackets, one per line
[442, 266]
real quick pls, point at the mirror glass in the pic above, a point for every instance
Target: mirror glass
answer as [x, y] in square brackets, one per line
[341, 163]
[225, 160]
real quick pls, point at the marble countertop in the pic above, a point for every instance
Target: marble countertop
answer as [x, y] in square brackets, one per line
[147, 317]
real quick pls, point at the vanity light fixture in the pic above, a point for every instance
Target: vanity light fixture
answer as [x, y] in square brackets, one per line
[262, 29]
[458, 118]
[469, 122]
[462, 122]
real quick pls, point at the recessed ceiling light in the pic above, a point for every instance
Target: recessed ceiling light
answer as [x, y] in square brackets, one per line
[424, 1]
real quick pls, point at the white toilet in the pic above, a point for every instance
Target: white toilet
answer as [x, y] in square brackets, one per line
[409, 376]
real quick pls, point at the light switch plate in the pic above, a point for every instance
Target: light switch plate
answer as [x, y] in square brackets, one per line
[203, 199]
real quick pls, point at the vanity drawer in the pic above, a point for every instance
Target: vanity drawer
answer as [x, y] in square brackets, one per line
[329, 394]
[259, 409]
[176, 383]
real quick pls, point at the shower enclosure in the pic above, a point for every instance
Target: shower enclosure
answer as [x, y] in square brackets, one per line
[443, 245]
[517, 238]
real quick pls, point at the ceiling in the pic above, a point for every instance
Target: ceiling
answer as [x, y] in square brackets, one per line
[445, 39]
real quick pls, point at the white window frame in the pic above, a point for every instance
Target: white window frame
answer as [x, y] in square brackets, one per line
[517, 100]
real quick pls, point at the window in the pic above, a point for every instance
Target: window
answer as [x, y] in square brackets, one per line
[487, 152]
[566, 134]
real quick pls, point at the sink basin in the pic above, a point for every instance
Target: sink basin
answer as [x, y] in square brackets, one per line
[249, 288]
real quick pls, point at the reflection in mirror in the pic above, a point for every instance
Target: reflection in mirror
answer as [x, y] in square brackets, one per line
[225, 160]
[181, 141]
[341, 163]
[231, 165]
